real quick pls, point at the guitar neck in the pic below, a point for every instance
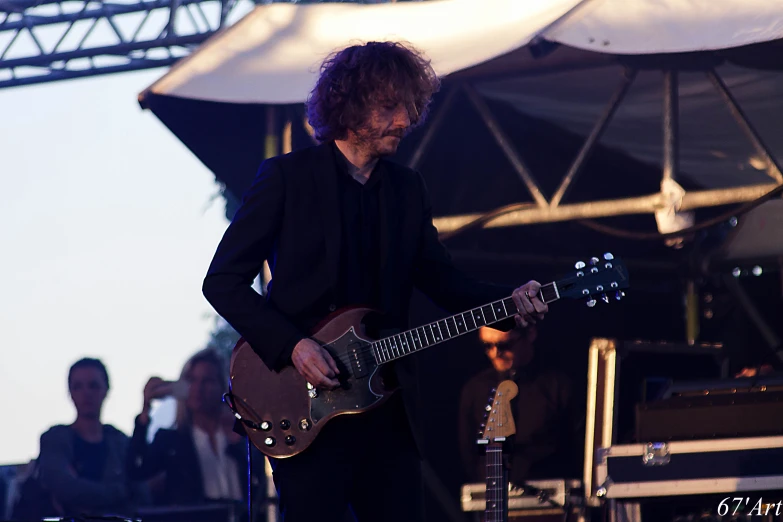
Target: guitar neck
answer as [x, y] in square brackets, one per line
[497, 485]
[410, 341]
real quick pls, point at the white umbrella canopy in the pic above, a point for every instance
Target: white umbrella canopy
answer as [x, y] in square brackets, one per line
[271, 56]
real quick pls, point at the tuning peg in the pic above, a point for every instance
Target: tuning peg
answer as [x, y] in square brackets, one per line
[594, 261]
[608, 256]
[605, 298]
[580, 265]
[619, 295]
[591, 303]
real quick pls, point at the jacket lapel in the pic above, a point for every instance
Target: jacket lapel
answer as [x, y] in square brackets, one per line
[324, 174]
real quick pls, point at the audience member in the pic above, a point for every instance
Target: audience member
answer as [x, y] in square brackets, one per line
[82, 466]
[201, 458]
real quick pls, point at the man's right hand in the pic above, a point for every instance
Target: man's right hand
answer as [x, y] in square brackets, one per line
[315, 364]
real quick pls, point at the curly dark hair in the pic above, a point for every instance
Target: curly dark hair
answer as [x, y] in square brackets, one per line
[360, 77]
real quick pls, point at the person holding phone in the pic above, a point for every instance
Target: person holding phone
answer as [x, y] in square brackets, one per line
[200, 460]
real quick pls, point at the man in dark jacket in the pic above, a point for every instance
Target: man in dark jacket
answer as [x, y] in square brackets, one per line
[341, 226]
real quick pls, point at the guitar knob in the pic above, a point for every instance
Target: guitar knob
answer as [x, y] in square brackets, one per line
[608, 256]
[290, 439]
[285, 424]
[591, 303]
[266, 425]
[312, 393]
[304, 425]
[579, 265]
[270, 441]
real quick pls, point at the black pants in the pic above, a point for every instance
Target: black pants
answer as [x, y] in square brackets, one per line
[367, 462]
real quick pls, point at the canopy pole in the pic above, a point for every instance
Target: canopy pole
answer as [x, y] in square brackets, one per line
[505, 144]
[773, 167]
[671, 124]
[432, 128]
[598, 129]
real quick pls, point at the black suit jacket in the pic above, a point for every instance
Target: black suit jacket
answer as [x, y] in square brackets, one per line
[173, 451]
[290, 216]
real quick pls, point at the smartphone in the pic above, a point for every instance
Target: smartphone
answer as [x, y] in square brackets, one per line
[180, 389]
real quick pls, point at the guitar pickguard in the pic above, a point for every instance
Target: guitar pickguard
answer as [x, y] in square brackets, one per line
[357, 369]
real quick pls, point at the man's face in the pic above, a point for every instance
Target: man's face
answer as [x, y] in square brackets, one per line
[383, 131]
[508, 350]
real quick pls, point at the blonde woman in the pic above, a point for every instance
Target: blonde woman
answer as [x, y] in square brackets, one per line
[201, 459]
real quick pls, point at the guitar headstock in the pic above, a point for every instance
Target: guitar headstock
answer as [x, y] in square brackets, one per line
[596, 278]
[499, 419]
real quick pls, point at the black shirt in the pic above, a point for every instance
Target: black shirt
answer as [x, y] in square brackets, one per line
[89, 458]
[359, 268]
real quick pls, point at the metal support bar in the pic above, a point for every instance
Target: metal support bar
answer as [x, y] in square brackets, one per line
[432, 128]
[614, 207]
[505, 144]
[671, 123]
[592, 139]
[773, 167]
[742, 297]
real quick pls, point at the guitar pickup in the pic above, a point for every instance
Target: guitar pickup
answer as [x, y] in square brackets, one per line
[358, 355]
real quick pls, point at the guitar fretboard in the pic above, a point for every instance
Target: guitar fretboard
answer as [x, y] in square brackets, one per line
[497, 485]
[411, 341]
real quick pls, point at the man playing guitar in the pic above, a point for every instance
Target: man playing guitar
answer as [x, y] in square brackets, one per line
[341, 226]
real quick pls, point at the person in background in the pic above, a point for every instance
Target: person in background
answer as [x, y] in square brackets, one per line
[200, 458]
[546, 444]
[82, 465]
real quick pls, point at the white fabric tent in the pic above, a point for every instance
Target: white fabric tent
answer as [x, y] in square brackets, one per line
[271, 56]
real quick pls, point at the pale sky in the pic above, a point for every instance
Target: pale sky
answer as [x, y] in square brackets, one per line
[106, 232]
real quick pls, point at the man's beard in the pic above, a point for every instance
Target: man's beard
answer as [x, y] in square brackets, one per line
[371, 140]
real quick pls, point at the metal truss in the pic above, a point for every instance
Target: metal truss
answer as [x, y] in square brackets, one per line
[541, 210]
[51, 40]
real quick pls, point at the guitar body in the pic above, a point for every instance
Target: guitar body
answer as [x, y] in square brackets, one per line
[285, 404]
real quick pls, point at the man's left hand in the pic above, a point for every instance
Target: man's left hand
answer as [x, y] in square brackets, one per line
[530, 307]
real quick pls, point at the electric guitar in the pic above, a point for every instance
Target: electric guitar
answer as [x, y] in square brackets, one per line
[498, 427]
[283, 413]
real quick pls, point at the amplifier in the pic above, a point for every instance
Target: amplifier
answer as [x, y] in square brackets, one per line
[724, 409]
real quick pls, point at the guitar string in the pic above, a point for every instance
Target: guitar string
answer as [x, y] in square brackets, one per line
[369, 348]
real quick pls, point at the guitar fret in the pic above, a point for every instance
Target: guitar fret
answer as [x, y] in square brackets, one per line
[451, 327]
[386, 349]
[478, 315]
[459, 321]
[440, 332]
[468, 324]
[422, 337]
[499, 310]
[415, 337]
[397, 346]
[409, 345]
[376, 352]
[428, 337]
[504, 307]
